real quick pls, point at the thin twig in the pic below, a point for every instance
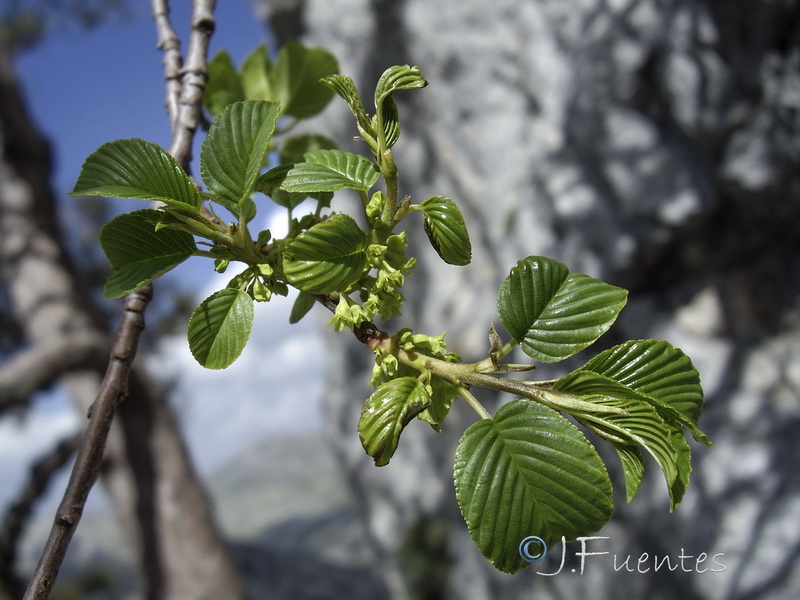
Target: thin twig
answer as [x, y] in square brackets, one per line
[194, 76]
[185, 88]
[90, 454]
[170, 44]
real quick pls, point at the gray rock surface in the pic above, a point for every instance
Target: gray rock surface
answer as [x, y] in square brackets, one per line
[655, 144]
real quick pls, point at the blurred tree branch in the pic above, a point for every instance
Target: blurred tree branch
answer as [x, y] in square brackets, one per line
[38, 367]
[18, 513]
[147, 471]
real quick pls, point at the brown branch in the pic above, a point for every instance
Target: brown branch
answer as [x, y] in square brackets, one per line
[184, 103]
[90, 454]
[194, 76]
[40, 366]
[19, 512]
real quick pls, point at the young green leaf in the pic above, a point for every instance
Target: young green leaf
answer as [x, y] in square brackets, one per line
[234, 149]
[658, 374]
[220, 327]
[446, 230]
[331, 171]
[302, 304]
[255, 75]
[632, 467]
[346, 89]
[295, 79]
[641, 424]
[386, 413]
[136, 169]
[684, 465]
[552, 313]
[528, 471]
[294, 148]
[140, 253]
[662, 373]
[389, 122]
[442, 394]
[400, 77]
[224, 85]
[328, 257]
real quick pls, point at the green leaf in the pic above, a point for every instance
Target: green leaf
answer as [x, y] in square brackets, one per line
[234, 149]
[641, 425]
[272, 180]
[136, 169]
[662, 373]
[140, 253]
[288, 200]
[302, 304]
[400, 77]
[295, 79]
[346, 89]
[220, 327]
[684, 465]
[224, 85]
[328, 257]
[294, 148]
[386, 413]
[442, 394]
[255, 75]
[552, 313]
[528, 471]
[446, 230]
[389, 121]
[655, 373]
[331, 171]
[632, 467]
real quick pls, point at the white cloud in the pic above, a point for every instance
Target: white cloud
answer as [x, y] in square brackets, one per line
[275, 386]
[51, 417]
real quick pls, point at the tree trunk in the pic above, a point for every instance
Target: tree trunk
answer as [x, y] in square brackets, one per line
[160, 501]
[652, 144]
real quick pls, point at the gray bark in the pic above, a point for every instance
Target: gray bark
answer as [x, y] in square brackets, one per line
[653, 144]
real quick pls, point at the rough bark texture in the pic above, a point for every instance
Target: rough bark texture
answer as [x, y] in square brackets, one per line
[650, 143]
[147, 473]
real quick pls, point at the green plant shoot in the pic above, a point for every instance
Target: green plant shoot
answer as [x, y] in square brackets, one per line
[526, 470]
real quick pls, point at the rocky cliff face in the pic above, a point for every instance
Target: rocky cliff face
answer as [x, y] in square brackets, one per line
[652, 143]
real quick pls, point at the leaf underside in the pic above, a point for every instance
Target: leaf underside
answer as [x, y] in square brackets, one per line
[140, 253]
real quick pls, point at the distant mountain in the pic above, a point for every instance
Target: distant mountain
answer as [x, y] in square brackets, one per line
[285, 508]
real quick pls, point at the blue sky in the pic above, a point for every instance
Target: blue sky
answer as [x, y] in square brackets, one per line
[88, 87]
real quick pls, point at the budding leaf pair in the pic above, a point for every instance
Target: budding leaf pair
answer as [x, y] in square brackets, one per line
[145, 244]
